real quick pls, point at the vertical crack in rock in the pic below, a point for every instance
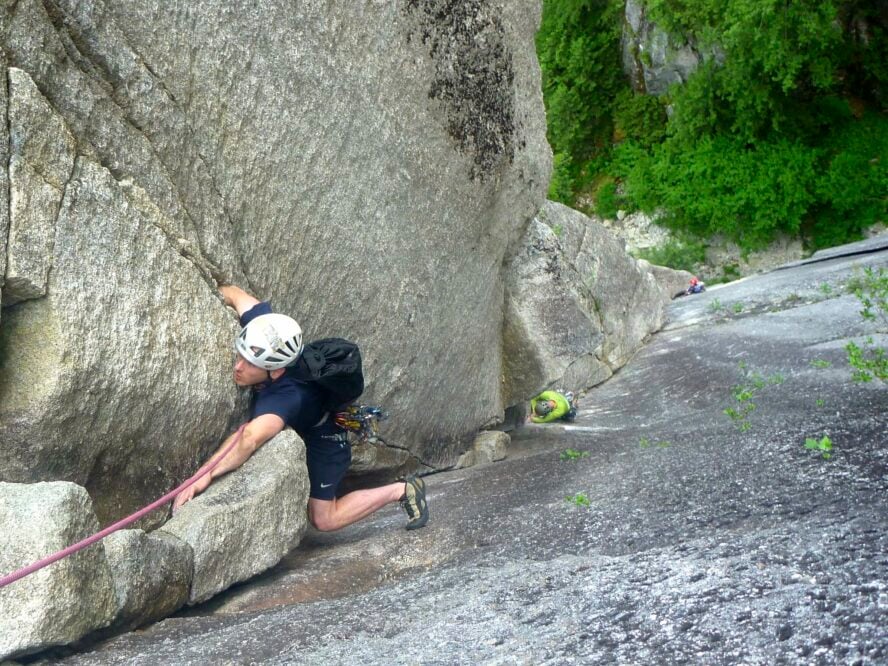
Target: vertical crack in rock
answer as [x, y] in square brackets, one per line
[55, 223]
[157, 80]
[41, 160]
[5, 157]
[473, 78]
[94, 64]
[140, 200]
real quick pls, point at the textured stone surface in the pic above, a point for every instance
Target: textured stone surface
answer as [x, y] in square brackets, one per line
[152, 576]
[59, 603]
[118, 379]
[652, 58]
[551, 321]
[40, 165]
[670, 281]
[364, 165]
[4, 175]
[723, 258]
[577, 305]
[638, 230]
[489, 446]
[705, 545]
[247, 520]
[721, 254]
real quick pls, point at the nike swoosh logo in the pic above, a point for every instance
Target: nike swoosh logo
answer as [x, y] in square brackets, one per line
[326, 485]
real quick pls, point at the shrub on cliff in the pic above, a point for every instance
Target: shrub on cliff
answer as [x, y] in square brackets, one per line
[781, 131]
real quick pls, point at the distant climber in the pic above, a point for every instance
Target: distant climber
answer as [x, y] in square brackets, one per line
[695, 287]
[268, 347]
[550, 406]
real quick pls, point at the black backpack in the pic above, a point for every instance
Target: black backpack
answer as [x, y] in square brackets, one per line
[333, 364]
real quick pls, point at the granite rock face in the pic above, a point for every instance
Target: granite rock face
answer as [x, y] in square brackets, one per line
[245, 522]
[365, 166]
[652, 58]
[577, 307]
[489, 446]
[670, 281]
[41, 160]
[4, 175]
[66, 600]
[118, 378]
[152, 576]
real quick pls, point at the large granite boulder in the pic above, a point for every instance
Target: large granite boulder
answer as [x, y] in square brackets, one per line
[363, 165]
[152, 576]
[66, 600]
[246, 521]
[577, 306]
[115, 363]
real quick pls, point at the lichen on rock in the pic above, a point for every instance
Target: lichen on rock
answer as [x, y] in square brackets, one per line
[473, 79]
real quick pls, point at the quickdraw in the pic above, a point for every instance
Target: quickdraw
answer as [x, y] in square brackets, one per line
[363, 422]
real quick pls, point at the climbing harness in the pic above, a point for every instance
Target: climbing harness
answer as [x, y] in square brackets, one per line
[80, 545]
[363, 422]
[574, 403]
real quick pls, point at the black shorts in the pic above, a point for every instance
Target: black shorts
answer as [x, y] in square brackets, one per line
[328, 455]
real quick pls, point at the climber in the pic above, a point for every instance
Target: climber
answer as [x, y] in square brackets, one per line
[549, 406]
[267, 344]
[695, 287]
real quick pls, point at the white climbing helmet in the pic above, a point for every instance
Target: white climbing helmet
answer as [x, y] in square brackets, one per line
[270, 341]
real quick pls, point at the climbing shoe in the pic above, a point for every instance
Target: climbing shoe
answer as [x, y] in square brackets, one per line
[414, 503]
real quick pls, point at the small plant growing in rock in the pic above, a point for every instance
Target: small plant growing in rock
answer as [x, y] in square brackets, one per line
[820, 402]
[823, 445]
[558, 229]
[744, 393]
[573, 454]
[580, 499]
[868, 360]
[715, 306]
[737, 307]
[820, 363]
[646, 443]
[825, 288]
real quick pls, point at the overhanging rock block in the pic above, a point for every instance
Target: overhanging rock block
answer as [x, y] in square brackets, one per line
[246, 521]
[431, 119]
[577, 305]
[66, 600]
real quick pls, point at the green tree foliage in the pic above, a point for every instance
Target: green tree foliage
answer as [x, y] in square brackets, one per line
[870, 361]
[578, 45]
[781, 129]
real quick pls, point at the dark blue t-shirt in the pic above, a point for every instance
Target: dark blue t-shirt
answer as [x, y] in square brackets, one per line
[299, 404]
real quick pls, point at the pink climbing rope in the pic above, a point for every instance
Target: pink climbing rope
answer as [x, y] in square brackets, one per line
[80, 545]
